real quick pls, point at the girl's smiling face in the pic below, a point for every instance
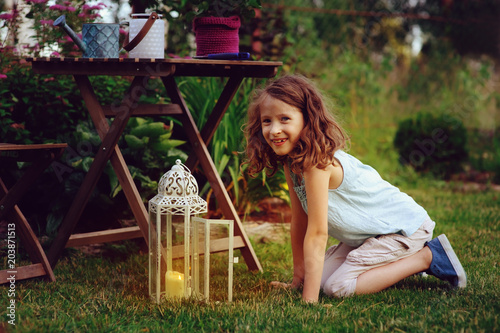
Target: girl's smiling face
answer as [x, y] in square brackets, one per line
[281, 125]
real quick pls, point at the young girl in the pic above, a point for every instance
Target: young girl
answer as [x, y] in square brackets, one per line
[384, 235]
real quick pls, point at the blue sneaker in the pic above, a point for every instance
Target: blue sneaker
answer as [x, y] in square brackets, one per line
[445, 264]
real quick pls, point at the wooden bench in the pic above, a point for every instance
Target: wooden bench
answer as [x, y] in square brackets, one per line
[40, 156]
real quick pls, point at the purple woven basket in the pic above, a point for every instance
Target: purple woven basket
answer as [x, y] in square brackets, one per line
[216, 35]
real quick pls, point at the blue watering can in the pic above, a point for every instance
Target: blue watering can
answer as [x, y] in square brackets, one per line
[99, 40]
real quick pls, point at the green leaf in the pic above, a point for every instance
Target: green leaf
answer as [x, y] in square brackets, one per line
[152, 130]
[254, 3]
[136, 121]
[165, 136]
[134, 142]
[163, 146]
[86, 163]
[114, 183]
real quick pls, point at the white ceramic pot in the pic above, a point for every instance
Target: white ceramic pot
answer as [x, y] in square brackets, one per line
[153, 44]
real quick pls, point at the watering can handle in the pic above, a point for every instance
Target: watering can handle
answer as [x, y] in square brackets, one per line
[144, 31]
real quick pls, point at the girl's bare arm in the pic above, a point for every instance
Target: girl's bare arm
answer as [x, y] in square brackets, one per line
[298, 229]
[316, 236]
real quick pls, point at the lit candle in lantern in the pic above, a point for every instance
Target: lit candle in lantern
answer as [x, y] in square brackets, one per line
[174, 283]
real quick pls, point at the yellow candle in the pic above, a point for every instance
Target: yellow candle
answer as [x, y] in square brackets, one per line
[174, 283]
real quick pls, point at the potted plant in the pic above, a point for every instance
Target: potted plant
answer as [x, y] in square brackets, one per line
[216, 22]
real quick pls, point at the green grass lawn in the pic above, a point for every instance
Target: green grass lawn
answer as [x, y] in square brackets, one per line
[108, 292]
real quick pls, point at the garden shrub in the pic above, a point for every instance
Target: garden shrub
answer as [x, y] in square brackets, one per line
[434, 144]
[484, 154]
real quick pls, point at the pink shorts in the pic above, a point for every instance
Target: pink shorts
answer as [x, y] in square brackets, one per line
[343, 263]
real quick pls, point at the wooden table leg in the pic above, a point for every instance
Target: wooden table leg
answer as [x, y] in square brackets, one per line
[117, 161]
[107, 148]
[211, 173]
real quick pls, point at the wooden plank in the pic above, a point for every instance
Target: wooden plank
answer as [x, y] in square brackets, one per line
[22, 273]
[13, 146]
[216, 245]
[31, 153]
[104, 236]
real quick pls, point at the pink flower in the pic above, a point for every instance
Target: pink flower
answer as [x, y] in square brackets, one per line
[49, 79]
[47, 22]
[55, 54]
[17, 126]
[3, 76]
[62, 8]
[36, 1]
[6, 16]
[89, 16]
[88, 8]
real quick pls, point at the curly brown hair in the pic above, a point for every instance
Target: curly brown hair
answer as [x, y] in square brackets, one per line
[321, 137]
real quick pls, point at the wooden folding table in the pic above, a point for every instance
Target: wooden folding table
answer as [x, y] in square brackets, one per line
[141, 70]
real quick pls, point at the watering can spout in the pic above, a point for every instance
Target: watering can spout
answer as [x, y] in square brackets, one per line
[61, 22]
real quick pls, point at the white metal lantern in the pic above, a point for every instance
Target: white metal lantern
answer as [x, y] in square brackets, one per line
[171, 260]
[204, 226]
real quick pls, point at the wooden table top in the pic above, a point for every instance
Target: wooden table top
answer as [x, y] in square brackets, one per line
[155, 67]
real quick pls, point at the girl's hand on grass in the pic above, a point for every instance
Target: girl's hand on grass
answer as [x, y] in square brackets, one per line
[280, 285]
[296, 284]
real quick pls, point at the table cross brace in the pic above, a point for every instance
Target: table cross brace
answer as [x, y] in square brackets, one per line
[110, 151]
[106, 150]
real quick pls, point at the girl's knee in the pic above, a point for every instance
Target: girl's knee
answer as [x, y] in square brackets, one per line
[340, 288]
